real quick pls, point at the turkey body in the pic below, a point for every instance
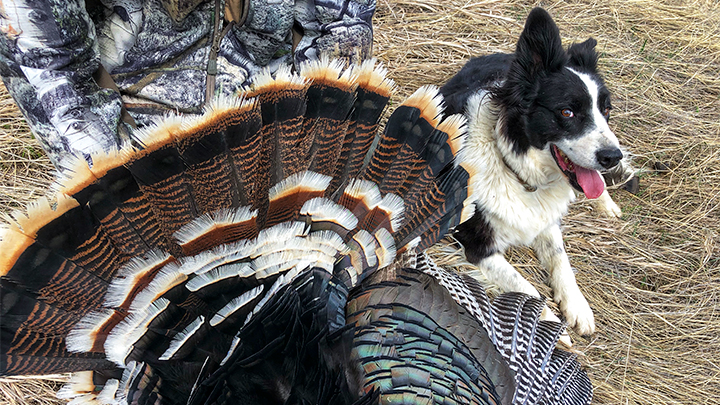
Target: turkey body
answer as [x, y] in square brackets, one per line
[272, 252]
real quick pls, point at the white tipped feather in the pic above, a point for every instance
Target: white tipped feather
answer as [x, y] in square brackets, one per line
[365, 190]
[368, 245]
[73, 174]
[374, 75]
[218, 256]
[321, 68]
[283, 77]
[220, 104]
[395, 205]
[282, 262]
[182, 337]
[326, 70]
[82, 336]
[278, 233]
[132, 370]
[295, 246]
[272, 263]
[282, 280]
[107, 394]
[332, 240]
[385, 251]
[321, 209]
[261, 79]
[121, 339]
[80, 384]
[211, 221]
[158, 131]
[218, 274]
[306, 180]
[130, 274]
[429, 101]
[233, 346]
[235, 304]
[352, 272]
[40, 212]
[314, 245]
[350, 77]
[169, 277]
[455, 126]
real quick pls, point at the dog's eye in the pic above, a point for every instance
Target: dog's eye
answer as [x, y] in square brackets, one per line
[567, 113]
[606, 112]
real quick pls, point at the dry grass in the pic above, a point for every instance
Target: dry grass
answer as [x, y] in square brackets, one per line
[25, 171]
[35, 391]
[652, 277]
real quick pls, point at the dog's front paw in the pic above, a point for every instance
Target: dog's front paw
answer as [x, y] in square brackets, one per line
[548, 315]
[577, 312]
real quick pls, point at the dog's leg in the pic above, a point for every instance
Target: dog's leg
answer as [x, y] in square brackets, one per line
[502, 274]
[607, 206]
[550, 250]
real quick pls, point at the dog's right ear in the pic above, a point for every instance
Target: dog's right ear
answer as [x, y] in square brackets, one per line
[583, 55]
[539, 49]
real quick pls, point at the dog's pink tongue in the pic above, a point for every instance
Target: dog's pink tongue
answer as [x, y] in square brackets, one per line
[589, 181]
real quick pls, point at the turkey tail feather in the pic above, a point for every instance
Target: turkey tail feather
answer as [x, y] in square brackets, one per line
[372, 95]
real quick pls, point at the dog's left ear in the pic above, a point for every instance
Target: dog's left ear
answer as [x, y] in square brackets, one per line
[583, 55]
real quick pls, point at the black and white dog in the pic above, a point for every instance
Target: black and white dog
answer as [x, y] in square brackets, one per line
[537, 129]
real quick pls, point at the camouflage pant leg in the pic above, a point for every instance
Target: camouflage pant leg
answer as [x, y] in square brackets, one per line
[47, 58]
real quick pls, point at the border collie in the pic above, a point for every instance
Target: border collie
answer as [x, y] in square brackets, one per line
[537, 131]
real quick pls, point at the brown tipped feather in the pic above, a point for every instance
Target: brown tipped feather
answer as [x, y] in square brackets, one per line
[330, 99]
[12, 244]
[373, 93]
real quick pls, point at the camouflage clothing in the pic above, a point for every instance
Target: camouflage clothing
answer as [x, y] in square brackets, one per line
[157, 52]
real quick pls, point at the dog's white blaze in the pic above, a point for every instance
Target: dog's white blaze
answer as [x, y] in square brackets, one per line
[582, 150]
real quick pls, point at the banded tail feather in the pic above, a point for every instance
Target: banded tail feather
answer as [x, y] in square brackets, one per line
[263, 253]
[372, 95]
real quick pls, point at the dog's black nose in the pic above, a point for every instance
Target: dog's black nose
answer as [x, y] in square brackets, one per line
[608, 157]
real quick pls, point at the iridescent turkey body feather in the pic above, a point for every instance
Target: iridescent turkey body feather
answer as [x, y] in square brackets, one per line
[266, 253]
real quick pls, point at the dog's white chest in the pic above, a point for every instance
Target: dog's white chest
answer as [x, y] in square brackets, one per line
[515, 215]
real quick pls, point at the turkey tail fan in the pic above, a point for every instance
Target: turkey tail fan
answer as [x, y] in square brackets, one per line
[38, 274]
[213, 263]
[405, 132]
[119, 203]
[440, 149]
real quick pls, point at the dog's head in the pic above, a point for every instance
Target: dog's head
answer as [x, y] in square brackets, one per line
[556, 101]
